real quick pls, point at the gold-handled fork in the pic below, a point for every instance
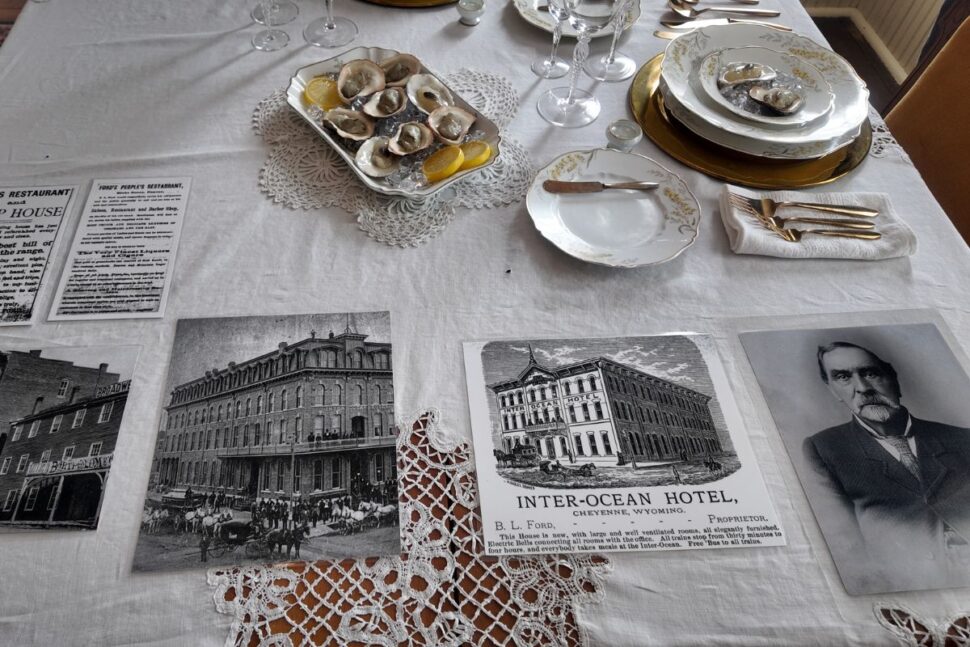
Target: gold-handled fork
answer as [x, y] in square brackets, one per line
[795, 235]
[768, 207]
[746, 204]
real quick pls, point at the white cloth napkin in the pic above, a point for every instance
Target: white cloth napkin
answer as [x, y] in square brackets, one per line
[748, 236]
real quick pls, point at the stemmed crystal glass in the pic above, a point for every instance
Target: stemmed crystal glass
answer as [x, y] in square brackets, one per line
[279, 12]
[271, 14]
[571, 107]
[615, 66]
[329, 31]
[552, 66]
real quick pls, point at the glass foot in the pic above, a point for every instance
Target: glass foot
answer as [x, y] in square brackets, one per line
[340, 32]
[550, 68]
[622, 67]
[285, 12]
[270, 40]
[583, 110]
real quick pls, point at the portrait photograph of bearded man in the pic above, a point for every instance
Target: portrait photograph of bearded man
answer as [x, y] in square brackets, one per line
[876, 421]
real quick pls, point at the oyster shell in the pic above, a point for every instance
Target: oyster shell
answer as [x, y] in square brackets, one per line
[374, 158]
[450, 123]
[359, 78]
[784, 101]
[387, 102]
[428, 93]
[398, 69]
[734, 74]
[410, 137]
[350, 123]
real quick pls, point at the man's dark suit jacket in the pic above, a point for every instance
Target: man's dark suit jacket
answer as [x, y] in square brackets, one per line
[876, 515]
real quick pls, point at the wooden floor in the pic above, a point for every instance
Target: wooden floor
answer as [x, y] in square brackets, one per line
[846, 39]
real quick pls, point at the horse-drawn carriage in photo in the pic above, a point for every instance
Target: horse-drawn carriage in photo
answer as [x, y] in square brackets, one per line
[229, 536]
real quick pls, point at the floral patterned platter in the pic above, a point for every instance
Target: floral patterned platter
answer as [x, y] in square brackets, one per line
[682, 93]
[615, 228]
[812, 86]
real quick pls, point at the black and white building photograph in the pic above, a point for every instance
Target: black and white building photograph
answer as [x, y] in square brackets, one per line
[876, 420]
[605, 413]
[61, 409]
[277, 441]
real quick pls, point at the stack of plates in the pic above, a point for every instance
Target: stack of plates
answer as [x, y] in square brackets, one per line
[835, 100]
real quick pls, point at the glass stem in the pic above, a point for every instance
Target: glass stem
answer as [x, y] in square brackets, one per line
[556, 37]
[580, 52]
[617, 30]
[329, 4]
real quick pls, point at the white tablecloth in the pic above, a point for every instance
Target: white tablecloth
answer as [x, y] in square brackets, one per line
[126, 88]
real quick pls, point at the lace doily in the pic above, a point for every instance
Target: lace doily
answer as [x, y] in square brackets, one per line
[883, 141]
[441, 590]
[917, 632]
[302, 171]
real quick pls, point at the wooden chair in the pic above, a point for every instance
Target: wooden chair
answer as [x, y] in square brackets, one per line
[931, 123]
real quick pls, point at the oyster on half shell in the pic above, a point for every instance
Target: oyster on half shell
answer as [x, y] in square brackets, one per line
[359, 78]
[734, 74]
[784, 101]
[387, 102]
[410, 137]
[399, 68]
[350, 123]
[428, 93]
[450, 123]
[374, 158]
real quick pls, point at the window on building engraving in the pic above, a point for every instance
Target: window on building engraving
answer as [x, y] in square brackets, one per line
[378, 467]
[607, 448]
[45, 456]
[279, 476]
[297, 476]
[318, 427]
[17, 431]
[283, 438]
[594, 450]
[578, 441]
[31, 499]
[8, 502]
[106, 410]
[5, 466]
[256, 435]
[378, 424]
[62, 390]
[299, 396]
[56, 424]
[69, 452]
[299, 429]
[338, 423]
[585, 411]
[34, 426]
[22, 463]
[283, 400]
[94, 449]
[245, 438]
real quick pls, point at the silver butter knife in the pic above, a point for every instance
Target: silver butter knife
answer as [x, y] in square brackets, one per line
[557, 186]
[689, 25]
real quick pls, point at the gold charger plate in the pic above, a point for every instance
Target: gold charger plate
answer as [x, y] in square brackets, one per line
[722, 163]
[411, 4]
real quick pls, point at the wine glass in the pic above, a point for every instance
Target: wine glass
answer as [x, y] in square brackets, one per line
[615, 66]
[330, 31]
[571, 107]
[269, 40]
[553, 67]
[279, 12]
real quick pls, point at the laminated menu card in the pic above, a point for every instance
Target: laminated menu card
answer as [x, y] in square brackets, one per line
[615, 444]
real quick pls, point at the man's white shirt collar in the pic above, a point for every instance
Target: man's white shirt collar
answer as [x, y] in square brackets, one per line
[908, 435]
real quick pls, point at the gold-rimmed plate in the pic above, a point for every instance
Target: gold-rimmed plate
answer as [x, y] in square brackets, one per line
[682, 144]
[411, 4]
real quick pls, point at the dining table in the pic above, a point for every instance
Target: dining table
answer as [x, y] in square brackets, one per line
[96, 89]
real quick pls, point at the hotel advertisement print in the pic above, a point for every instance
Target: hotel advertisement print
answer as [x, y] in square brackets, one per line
[613, 444]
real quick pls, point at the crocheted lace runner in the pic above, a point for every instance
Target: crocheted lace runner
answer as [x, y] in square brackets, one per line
[302, 171]
[441, 590]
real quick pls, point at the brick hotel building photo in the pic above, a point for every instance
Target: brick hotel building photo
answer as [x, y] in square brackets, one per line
[603, 412]
[314, 418]
[61, 423]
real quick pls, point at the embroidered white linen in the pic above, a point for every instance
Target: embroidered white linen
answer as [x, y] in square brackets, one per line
[747, 235]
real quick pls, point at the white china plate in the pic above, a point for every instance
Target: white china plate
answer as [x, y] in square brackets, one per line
[613, 227]
[541, 18]
[814, 89]
[682, 93]
[294, 96]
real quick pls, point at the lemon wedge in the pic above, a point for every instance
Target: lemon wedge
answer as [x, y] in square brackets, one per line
[443, 163]
[322, 91]
[476, 153]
